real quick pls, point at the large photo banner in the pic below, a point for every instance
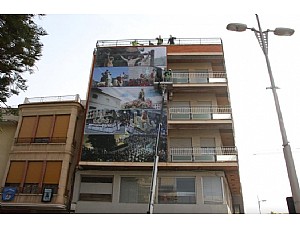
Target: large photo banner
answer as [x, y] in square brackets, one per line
[124, 107]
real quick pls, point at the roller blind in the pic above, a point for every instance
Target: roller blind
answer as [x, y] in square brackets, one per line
[27, 127]
[44, 127]
[16, 171]
[34, 172]
[181, 142]
[52, 173]
[61, 126]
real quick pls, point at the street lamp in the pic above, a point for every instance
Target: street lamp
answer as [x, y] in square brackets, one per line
[259, 201]
[262, 37]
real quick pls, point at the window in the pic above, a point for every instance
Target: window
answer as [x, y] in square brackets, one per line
[176, 190]
[181, 149]
[199, 76]
[15, 174]
[60, 128]
[207, 150]
[27, 129]
[96, 188]
[135, 189]
[44, 129]
[180, 76]
[33, 176]
[180, 110]
[212, 190]
[52, 175]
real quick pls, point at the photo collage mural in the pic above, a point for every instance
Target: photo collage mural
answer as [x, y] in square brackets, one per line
[124, 106]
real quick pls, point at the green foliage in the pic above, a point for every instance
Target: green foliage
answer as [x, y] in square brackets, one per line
[20, 48]
[8, 111]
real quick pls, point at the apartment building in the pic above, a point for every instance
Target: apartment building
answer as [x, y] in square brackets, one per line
[8, 125]
[166, 100]
[44, 146]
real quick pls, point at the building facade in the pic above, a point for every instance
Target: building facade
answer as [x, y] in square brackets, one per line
[8, 125]
[46, 142]
[169, 100]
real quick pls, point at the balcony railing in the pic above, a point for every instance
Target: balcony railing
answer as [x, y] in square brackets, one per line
[52, 99]
[207, 154]
[41, 140]
[198, 78]
[200, 112]
[144, 42]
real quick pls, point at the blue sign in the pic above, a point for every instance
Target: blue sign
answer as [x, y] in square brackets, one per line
[9, 193]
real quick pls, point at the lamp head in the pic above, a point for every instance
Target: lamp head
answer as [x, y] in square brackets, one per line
[236, 27]
[284, 31]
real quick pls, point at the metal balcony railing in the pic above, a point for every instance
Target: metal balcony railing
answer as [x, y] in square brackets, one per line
[207, 154]
[199, 112]
[198, 78]
[52, 99]
[41, 140]
[144, 42]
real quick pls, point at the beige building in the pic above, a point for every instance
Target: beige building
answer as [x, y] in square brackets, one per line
[38, 172]
[199, 170]
[8, 126]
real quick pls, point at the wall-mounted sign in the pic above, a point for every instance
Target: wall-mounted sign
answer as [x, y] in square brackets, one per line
[9, 193]
[47, 195]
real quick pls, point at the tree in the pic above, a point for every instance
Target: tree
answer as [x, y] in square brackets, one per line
[20, 48]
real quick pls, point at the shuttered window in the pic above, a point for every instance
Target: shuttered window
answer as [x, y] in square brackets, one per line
[38, 175]
[44, 127]
[34, 172]
[52, 173]
[61, 126]
[16, 172]
[27, 128]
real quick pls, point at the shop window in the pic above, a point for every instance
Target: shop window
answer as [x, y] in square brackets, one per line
[135, 189]
[176, 190]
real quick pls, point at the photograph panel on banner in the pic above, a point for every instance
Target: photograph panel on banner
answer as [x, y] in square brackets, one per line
[124, 108]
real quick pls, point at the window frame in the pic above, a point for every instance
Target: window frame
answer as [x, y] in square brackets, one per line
[175, 195]
[221, 188]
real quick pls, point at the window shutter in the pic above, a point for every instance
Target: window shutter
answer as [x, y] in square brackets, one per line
[44, 127]
[52, 173]
[34, 172]
[16, 172]
[61, 126]
[27, 127]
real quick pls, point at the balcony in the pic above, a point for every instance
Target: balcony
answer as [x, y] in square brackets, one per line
[198, 78]
[200, 113]
[75, 98]
[145, 42]
[208, 154]
[41, 140]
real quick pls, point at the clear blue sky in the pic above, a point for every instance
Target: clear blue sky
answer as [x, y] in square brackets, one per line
[74, 29]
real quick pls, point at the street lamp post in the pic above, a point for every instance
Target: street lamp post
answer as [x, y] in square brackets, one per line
[262, 37]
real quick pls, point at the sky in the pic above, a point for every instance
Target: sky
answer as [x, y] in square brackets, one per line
[74, 28]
